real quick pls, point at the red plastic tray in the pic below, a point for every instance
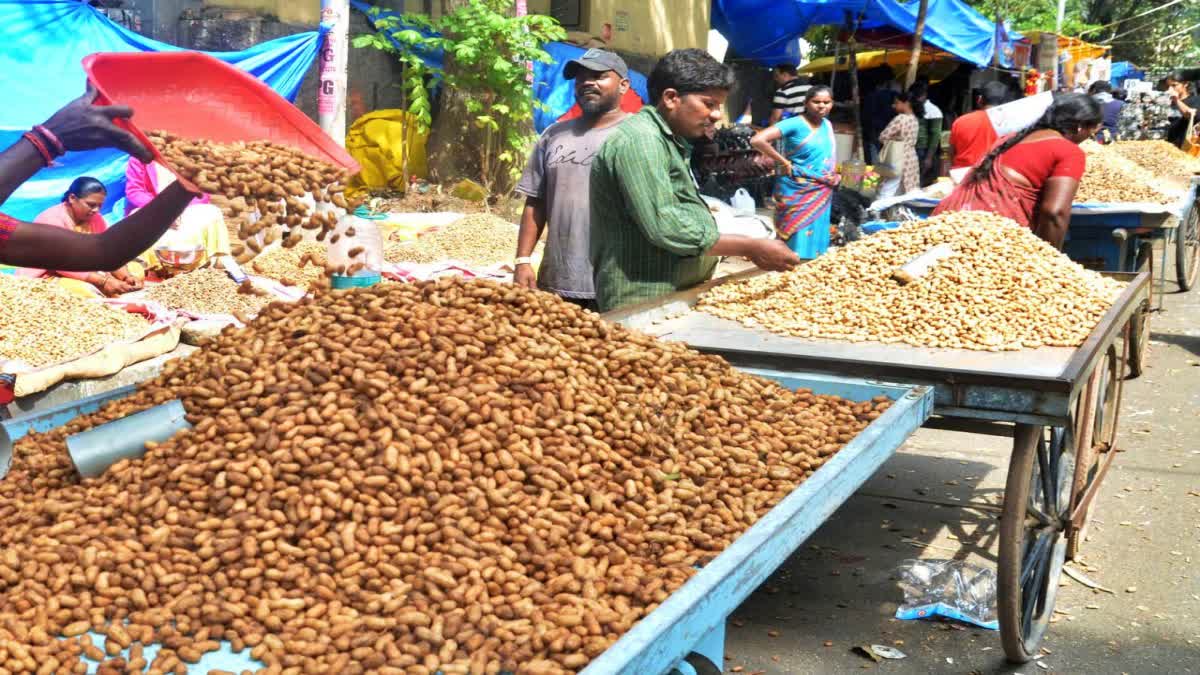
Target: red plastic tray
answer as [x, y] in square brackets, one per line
[195, 95]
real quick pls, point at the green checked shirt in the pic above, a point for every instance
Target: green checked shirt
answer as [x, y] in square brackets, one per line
[650, 228]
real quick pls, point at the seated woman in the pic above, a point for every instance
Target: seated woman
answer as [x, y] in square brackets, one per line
[1032, 176]
[201, 223]
[79, 211]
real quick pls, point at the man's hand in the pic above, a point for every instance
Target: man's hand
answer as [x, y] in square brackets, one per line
[83, 126]
[525, 276]
[773, 255]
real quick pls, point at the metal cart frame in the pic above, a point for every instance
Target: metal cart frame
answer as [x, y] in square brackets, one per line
[1059, 405]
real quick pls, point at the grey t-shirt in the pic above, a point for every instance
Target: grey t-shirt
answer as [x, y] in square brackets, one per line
[558, 173]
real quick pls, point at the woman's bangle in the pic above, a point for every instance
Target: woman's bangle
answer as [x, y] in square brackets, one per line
[58, 146]
[41, 147]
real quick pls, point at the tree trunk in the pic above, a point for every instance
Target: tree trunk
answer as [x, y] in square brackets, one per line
[914, 58]
[455, 143]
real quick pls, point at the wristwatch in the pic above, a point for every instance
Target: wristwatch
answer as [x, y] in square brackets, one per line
[523, 260]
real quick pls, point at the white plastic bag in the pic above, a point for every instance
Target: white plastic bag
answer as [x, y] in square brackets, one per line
[743, 203]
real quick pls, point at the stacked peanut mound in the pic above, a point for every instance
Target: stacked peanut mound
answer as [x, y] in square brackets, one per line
[44, 324]
[463, 477]
[1112, 178]
[1002, 289]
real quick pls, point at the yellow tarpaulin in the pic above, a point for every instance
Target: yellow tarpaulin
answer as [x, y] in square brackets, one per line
[1078, 49]
[378, 142]
[937, 65]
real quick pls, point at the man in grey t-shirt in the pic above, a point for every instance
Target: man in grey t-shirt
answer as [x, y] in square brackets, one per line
[555, 182]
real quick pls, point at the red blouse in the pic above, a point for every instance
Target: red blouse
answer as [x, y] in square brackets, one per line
[1048, 158]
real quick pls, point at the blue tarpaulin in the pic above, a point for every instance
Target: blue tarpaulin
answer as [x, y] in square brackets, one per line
[44, 42]
[556, 93]
[1124, 70]
[767, 30]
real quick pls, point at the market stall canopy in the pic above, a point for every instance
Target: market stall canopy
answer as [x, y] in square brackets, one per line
[767, 30]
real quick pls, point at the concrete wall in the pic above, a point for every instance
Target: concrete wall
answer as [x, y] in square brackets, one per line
[372, 73]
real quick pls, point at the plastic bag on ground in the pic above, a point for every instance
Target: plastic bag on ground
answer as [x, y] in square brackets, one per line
[949, 588]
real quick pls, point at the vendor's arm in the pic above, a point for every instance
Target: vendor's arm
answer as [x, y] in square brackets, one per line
[78, 126]
[1054, 209]
[49, 247]
[764, 141]
[771, 255]
[533, 223]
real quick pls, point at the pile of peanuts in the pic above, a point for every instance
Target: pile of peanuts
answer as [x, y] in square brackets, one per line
[1003, 289]
[448, 476]
[1161, 159]
[303, 265]
[479, 239]
[44, 324]
[261, 188]
[1111, 178]
[209, 291]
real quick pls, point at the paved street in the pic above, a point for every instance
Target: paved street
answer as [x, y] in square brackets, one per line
[936, 499]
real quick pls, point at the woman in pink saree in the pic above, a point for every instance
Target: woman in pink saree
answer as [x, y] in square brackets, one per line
[79, 211]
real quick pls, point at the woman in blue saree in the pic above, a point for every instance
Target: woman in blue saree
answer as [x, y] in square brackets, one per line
[804, 193]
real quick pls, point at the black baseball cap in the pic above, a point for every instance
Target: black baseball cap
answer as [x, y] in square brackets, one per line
[598, 61]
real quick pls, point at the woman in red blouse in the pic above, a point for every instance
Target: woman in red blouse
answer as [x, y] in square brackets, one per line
[1032, 175]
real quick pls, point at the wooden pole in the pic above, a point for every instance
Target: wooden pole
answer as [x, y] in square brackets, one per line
[851, 28]
[918, 38]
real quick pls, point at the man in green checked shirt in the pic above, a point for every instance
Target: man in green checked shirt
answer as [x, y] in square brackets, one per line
[651, 233]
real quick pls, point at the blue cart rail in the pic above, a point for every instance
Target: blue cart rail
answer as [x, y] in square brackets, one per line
[692, 619]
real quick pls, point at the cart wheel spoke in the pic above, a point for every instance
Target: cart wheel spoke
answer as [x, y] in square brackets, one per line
[1036, 554]
[1033, 594]
[1045, 474]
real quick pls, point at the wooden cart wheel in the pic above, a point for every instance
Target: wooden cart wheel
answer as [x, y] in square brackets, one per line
[1095, 431]
[696, 664]
[1187, 249]
[1033, 544]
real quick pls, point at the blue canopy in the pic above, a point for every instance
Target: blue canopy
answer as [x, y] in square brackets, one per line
[44, 42]
[550, 88]
[767, 30]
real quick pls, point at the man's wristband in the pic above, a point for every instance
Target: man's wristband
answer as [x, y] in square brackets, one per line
[523, 260]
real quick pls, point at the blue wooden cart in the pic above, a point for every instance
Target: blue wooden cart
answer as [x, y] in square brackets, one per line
[685, 634]
[1060, 406]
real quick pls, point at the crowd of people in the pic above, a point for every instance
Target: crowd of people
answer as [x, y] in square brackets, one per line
[646, 230]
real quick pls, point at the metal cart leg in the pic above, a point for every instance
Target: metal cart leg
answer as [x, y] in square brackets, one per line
[1138, 334]
[1033, 528]
[708, 657]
